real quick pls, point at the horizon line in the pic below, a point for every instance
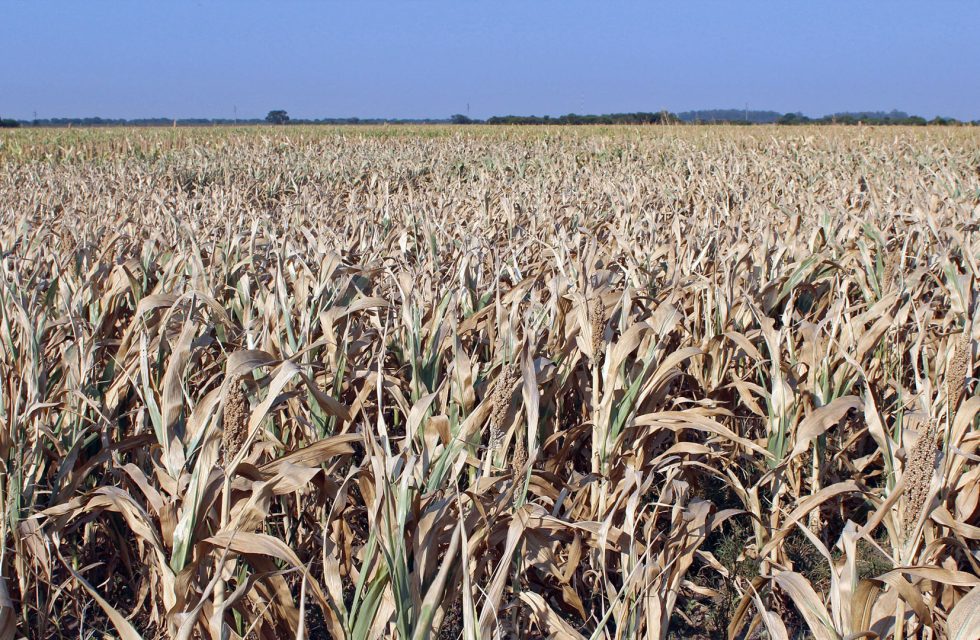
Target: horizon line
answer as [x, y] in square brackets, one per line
[448, 118]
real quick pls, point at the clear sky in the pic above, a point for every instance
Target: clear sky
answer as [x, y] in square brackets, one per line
[143, 58]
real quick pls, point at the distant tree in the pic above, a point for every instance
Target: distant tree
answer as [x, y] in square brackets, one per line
[792, 118]
[277, 117]
[7, 123]
[459, 118]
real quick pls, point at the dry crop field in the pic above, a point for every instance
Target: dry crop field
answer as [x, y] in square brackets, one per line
[657, 382]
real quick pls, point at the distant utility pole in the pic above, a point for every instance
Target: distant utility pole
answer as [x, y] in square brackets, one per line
[746, 111]
[235, 109]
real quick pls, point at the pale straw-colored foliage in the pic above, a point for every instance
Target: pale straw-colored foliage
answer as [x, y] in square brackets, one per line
[475, 382]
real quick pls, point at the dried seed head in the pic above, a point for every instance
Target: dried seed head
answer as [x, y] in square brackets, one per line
[235, 420]
[520, 453]
[956, 373]
[893, 260]
[597, 319]
[499, 403]
[520, 459]
[918, 473]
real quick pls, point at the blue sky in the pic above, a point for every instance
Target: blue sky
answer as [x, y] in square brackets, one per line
[433, 58]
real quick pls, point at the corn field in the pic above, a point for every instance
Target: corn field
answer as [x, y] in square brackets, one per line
[475, 382]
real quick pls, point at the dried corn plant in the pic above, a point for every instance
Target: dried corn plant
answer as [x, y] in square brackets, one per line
[615, 382]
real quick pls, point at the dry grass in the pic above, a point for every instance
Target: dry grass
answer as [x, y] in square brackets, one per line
[473, 382]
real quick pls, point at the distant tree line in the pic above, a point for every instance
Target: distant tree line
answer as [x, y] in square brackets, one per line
[707, 116]
[280, 116]
[868, 117]
[276, 118]
[744, 116]
[659, 117]
[729, 116]
[133, 122]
